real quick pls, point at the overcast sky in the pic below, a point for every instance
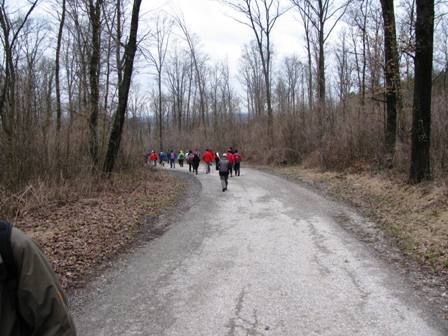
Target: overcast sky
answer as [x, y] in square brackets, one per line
[221, 37]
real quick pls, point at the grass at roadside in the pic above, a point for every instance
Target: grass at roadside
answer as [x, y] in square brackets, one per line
[416, 217]
[81, 224]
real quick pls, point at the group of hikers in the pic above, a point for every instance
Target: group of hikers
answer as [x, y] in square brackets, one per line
[228, 163]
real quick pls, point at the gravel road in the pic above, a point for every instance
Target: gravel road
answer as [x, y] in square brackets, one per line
[267, 257]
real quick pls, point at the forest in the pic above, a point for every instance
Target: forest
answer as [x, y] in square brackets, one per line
[371, 90]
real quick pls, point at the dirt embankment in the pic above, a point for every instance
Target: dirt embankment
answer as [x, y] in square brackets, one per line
[89, 225]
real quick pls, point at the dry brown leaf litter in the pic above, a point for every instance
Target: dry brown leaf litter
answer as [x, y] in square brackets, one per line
[88, 228]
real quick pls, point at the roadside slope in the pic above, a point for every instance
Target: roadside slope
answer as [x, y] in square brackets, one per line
[83, 232]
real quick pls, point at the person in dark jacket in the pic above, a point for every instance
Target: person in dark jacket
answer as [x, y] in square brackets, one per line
[162, 158]
[217, 160]
[31, 301]
[224, 168]
[237, 162]
[196, 161]
[190, 157]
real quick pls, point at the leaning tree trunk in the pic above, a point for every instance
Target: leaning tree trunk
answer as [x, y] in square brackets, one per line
[392, 76]
[421, 122]
[123, 92]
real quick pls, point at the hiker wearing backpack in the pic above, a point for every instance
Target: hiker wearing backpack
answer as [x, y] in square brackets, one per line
[237, 162]
[195, 162]
[31, 299]
[181, 158]
[231, 160]
[190, 156]
[224, 168]
[217, 160]
[172, 157]
[162, 158]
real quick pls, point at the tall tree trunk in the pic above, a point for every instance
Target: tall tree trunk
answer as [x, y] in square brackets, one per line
[392, 75]
[123, 92]
[321, 108]
[270, 125]
[58, 86]
[421, 122]
[159, 85]
[95, 17]
[105, 125]
[310, 71]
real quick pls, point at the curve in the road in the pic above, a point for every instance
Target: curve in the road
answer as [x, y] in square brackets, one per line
[265, 258]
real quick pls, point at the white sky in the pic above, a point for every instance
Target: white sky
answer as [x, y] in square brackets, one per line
[221, 37]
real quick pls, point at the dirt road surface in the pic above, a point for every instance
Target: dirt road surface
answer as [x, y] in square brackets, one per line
[267, 257]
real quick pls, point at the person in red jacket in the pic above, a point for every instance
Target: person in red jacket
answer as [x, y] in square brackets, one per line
[207, 157]
[153, 158]
[231, 159]
[237, 162]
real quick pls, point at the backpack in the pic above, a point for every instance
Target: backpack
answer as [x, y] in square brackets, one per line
[9, 273]
[9, 268]
[224, 166]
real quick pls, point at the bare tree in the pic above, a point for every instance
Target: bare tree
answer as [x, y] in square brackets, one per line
[178, 72]
[11, 27]
[57, 80]
[196, 63]
[119, 117]
[359, 18]
[94, 74]
[305, 14]
[10, 31]
[160, 37]
[261, 16]
[392, 76]
[253, 79]
[344, 69]
[421, 120]
[322, 13]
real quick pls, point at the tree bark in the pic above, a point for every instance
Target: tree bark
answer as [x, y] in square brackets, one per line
[160, 110]
[57, 83]
[392, 76]
[421, 122]
[95, 17]
[123, 93]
